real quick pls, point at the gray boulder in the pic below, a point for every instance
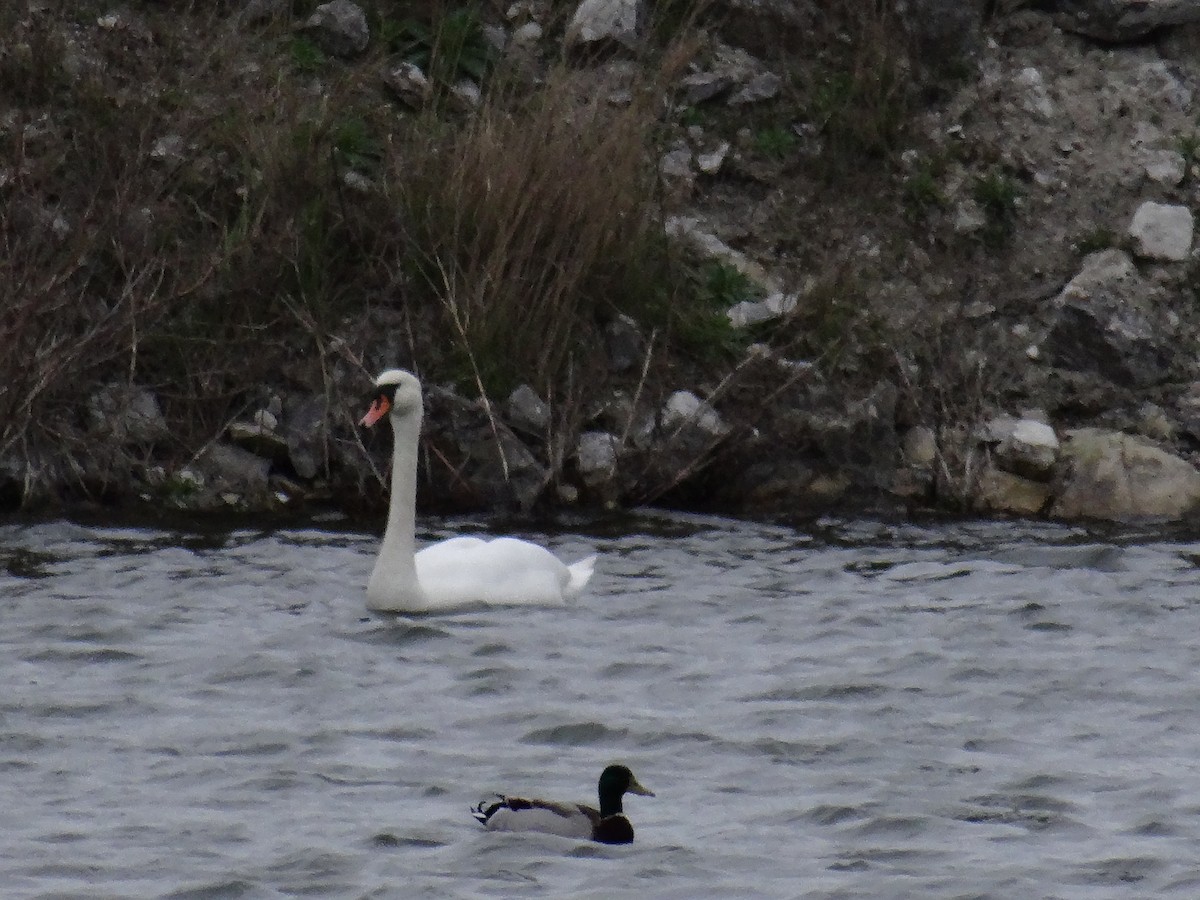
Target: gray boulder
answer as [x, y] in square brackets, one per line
[229, 469]
[624, 344]
[476, 459]
[306, 430]
[339, 28]
[1005, 492]
[596, 457]
[1162, 231]
[604, 21]
[1024, 447]
[527, 411]
[1116, 476]
[409, 84]
[127, 413]
[1109, 320]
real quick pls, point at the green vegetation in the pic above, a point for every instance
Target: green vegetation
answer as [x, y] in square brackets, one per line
[1188, 146]
[996, 192]
[702, 326]
[357, 144]
[775, 143]
[447, 49]
[1095, 240]
[920, 193]
[305, 55]
[858, 96]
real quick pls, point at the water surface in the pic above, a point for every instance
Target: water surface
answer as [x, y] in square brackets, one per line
[851, 709]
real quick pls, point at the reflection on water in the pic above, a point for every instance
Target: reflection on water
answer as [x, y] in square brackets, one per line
[849, 709]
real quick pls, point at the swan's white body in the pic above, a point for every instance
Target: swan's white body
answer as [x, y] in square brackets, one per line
[461, 571]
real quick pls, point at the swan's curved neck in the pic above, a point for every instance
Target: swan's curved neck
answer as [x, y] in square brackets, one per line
[394, 582]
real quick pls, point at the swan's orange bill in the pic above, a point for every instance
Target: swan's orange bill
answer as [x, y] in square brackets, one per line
[378, 410]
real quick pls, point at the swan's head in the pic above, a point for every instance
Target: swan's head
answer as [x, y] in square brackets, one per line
[397, 392]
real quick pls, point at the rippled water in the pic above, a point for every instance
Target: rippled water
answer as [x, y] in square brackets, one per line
[849, 710]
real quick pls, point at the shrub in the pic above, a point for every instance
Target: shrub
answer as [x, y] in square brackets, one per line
[859, 96]
[996, 193]
[775, 143]
[530, 222]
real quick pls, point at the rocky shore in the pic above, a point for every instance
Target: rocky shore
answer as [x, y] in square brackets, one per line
[1000, 315]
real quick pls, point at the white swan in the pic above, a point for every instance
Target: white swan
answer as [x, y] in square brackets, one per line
[460, 571]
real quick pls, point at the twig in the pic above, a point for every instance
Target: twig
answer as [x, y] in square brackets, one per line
[452, 306]
[637, 394]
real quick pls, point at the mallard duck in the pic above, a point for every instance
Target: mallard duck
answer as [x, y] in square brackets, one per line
[607, 824]
[460, 571]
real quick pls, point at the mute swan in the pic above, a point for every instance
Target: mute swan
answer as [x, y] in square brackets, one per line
[460, 571]
[607, 824]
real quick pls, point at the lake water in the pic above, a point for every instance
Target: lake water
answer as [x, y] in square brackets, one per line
[847, 709]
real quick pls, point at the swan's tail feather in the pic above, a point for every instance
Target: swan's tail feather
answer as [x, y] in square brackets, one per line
[581, 574]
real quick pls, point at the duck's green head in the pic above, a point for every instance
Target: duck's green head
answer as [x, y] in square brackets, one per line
[616, 780]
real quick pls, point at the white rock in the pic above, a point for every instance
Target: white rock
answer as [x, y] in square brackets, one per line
[596, 456]
[409, 83]
[763, 86]
[710, 163]
[467, 92]
[676, 163]
[527, 35]
[751, 312]
[1164, 166]
[339, 28]
[1026, 447]
[700, 86]
[266, 420]
[1032, 433]
[1099, 272]
[687, 228]
[685, 408]
[1162, 231]
[190, 478]
[1036, 98]
[357, 182]
[604, 20]
[527, 411]
[167, 147]
[969, 217]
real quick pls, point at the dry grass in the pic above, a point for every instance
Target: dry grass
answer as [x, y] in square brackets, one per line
[535, 220]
